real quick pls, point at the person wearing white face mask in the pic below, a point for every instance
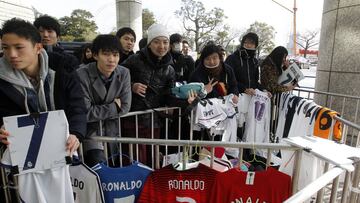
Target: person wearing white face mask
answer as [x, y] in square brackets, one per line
[245, 64]
[183, 65]
[219, 78]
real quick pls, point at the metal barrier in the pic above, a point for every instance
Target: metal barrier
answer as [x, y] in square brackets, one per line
[351, 178]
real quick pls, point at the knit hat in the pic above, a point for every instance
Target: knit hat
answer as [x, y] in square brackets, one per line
[157, 30]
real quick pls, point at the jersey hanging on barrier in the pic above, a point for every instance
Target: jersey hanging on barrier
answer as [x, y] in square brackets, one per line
[122, 185]
[209, 114]
[37, 142]
[258, 120]
[323, 124]
[86, 184]
[169, 185]
[239, 186]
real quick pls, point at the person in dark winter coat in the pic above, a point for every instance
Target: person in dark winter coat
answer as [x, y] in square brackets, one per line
[127, 39]
[152, 77]
[49, 29]
[184, 65]
[107, 95]
[245, 65]
[218, 77]
[271, 69]
[26, 82]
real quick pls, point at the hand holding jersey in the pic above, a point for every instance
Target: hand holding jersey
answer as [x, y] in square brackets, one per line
[250, 91]
[72, 144]
[3, 135]
[191, 96]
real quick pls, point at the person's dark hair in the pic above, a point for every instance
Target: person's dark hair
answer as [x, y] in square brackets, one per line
[1, 33]
[47, 22]
[210, 49]
[175, 38]
[125, 30]
[85, 60]
[251, 36]
[277, 56]
[105, 43]
[185, 42]
[22, 28]
[142, 43]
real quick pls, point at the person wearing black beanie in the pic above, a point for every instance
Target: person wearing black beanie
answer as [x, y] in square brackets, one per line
[245, 64]
[272, 68]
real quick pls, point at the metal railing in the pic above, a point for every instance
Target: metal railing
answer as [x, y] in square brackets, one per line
[331, 174]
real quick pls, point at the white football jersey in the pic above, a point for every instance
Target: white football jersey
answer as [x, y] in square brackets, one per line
[50, 185]
[258, 120]
[243, 108]
[86, 184]
[37, 133]
[282, 111]
[43, 174]
[209, 114]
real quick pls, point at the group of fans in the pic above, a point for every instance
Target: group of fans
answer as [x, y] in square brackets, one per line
[113, 80]
[37, 75]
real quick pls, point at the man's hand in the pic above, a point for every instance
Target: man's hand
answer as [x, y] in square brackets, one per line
[191, 96]
[139, 88]
[72, 144]
[268, 93]
[210, 85]
[235, 99]
[118, 102]
[4, 135]
[250, 91]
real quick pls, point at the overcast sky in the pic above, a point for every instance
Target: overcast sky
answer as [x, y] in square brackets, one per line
[240, 13]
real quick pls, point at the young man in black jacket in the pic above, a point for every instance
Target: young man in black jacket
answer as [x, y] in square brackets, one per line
[28, 84]
[245, 64]
[184, 65]
[49, 29]
[127, 39]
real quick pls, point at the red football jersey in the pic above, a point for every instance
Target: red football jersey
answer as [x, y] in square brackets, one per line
[169, 185]
[270, 186]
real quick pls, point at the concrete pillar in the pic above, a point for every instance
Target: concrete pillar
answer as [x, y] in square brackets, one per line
[129, 14]
[338, 69]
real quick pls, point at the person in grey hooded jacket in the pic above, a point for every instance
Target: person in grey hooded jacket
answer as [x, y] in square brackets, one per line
[28, 84]
[108, 95]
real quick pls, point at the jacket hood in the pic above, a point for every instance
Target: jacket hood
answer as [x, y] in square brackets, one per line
[18, 77]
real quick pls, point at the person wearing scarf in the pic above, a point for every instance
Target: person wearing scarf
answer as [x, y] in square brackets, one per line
[219, 78]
